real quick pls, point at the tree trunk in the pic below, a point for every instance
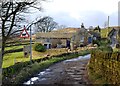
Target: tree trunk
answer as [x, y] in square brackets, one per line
[2, 52]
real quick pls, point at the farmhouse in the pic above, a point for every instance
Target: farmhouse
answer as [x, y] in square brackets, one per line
[62, 38]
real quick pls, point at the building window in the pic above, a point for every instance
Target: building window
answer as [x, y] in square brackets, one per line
[82, 39]
[37, 38]
[47, 40]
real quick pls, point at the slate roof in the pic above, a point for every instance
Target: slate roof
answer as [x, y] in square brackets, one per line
[54, 35]
[61, 33]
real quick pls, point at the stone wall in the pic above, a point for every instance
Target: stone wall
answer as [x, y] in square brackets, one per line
[104, 68]
[53, 42]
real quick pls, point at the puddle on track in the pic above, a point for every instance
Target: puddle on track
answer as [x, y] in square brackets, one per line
[32, 80]
[79, 58]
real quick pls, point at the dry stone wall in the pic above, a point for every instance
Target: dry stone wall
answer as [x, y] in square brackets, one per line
[104, 67]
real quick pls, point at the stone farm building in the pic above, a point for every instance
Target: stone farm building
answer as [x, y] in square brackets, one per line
[62, 38]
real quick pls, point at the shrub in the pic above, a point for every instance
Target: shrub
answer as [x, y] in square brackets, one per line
[106, 48]
[39, 47]
[96, 42]
[105, 41]
[102, 42]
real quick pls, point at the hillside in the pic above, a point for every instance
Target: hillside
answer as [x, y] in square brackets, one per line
[104, 32]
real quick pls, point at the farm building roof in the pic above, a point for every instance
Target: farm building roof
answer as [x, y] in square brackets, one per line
[68, 30]
[54, 35]
[61, 33]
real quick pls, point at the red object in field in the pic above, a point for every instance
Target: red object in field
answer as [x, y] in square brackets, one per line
[24, 33]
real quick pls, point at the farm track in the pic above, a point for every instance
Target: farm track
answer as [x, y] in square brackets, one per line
[70, 72]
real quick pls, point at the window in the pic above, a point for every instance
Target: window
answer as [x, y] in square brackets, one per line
[82, 39]
[47, 40]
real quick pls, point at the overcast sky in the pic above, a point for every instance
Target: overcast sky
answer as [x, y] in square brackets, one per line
[73, 12]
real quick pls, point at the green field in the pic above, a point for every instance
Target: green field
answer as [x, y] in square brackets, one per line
[12, 58]
[13, 47]
[104, 32]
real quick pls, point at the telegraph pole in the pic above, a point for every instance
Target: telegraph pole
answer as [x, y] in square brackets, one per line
[30, 45]
[108, 22]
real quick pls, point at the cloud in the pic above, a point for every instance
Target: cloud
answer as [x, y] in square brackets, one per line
[107, 6]
[114, 19]
[64, 18]
[73, 12]
[94, 18]
[89, 18]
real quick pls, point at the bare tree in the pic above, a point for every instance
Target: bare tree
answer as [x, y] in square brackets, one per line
[90, 28]
[45, 24]
[61, 26]
[10, 16]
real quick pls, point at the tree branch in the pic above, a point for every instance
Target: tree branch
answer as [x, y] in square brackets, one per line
[13, 19]
[15, 32]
